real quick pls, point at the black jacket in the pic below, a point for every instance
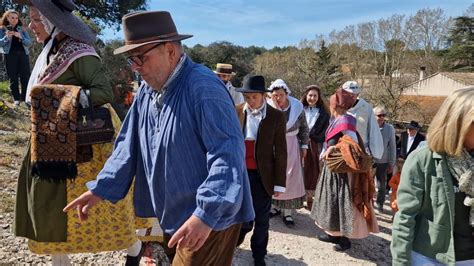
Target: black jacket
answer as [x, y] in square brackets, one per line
[404, 141]
[318, 132]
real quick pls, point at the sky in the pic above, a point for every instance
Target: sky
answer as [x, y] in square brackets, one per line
[281, 23]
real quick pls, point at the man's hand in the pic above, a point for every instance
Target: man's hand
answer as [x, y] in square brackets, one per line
[83, 204]
[191, 235]
[390, 168]
[277, 194]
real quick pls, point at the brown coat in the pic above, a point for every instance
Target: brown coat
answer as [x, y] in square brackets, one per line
[270, 147]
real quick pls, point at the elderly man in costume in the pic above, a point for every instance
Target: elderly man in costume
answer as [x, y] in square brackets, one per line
[182, 141]
[225, 72]
[366, 124]
[410, 139]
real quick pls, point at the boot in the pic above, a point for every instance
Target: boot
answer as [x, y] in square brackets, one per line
[344, 244]
[330, 239]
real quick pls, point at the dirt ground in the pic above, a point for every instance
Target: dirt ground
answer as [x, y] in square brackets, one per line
[287, 246]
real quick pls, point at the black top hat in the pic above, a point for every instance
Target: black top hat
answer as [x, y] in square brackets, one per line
[251, 84]
[145, 27]
[413, 125]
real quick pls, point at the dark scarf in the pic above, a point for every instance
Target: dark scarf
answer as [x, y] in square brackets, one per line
[53, 131]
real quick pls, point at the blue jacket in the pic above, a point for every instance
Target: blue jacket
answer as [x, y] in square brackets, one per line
[6, 42]
[188, 156]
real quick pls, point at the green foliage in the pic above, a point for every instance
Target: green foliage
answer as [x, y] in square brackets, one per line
[104, 12]
[286, 64]
[240, 57]
[7, 5]
[117, 69]
[328, 74]
[460, 55]
[109, 12]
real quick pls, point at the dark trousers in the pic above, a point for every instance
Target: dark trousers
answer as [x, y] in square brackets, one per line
[262, 203]
[18, 68]
[381, 175]
[389, 177]
[217, 250]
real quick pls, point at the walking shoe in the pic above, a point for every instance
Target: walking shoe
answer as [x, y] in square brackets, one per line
[330, 239]
[379, 208]
[344, 244]
[17, 103]
[288, 220]
[135, 260]
[274, 212]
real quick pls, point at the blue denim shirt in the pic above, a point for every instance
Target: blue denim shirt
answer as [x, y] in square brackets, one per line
[6, 43]
[187, 155]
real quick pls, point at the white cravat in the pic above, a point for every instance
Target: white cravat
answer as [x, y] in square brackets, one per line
[410, 142]
[254, 117]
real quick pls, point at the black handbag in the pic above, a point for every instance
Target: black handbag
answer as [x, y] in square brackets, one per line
[94, 125]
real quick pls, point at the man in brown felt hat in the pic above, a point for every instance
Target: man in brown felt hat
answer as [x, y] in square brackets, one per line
[182, 141]
[225, 72]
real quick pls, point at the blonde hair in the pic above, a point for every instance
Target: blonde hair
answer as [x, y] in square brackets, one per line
[449, 127]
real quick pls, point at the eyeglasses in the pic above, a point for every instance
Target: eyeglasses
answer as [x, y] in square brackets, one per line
[138, 59]
[381, 115]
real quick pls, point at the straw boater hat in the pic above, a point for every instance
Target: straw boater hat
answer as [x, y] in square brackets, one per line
[224, 69]
[146, 27]
[59, 13]
[253, 84]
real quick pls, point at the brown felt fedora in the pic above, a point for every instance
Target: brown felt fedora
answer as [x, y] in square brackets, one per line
[142, 28]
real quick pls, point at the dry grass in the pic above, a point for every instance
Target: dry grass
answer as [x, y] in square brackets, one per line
[7, 203]
[14, 134]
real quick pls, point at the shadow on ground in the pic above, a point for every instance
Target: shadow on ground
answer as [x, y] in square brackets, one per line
[244, 257]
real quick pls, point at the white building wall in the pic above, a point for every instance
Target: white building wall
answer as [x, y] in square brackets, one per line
[437, 85]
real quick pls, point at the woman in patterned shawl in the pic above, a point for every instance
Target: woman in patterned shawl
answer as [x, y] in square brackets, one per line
[334, 209]
[68, 58]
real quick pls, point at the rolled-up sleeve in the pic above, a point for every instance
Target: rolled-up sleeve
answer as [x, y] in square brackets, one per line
[220, 196]
[114, 181]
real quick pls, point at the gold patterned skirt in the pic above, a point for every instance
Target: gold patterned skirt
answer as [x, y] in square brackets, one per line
[108, 227]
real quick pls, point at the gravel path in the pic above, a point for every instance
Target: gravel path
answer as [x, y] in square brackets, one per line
[297, 246]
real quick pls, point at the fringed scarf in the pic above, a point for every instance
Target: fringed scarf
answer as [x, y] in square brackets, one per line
[53, 131]
[68, 52]
[462, 168]
[363, 188]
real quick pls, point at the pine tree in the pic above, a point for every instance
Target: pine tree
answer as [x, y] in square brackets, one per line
[460, 55]
[328, 75]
